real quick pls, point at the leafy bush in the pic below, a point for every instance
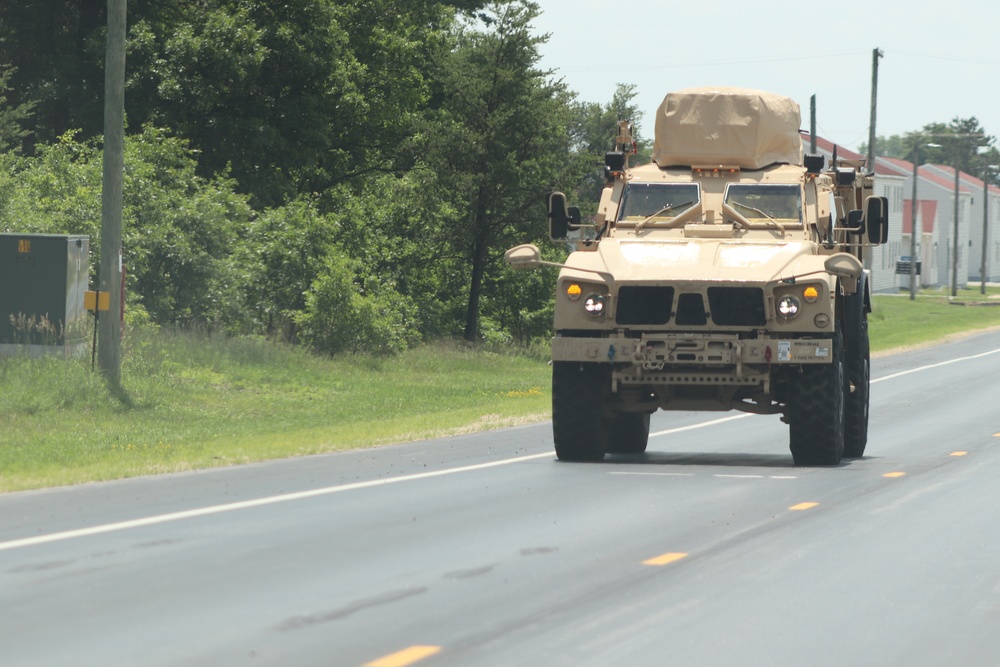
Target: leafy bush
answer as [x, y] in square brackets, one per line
[341, 317]
[178, 229]
[283, 253]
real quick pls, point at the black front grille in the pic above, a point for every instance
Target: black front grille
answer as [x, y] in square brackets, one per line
[644, 304]
[691, 310]
[737, 306]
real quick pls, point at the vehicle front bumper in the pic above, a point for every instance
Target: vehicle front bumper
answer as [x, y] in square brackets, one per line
[727, 354]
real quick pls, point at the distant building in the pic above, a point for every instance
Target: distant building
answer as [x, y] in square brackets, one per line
[934, 185]
[974, 240]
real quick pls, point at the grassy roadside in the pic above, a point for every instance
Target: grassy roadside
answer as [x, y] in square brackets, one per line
[194, 402]
[897, 322]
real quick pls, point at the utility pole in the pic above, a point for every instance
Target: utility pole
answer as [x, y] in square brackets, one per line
[954, 240]
[876, 54]
[812, 124]
[110, 275]
[986, 225]
[913, 226]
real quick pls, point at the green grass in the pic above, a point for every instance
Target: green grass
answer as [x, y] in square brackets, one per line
[898, 322]
[194, 402]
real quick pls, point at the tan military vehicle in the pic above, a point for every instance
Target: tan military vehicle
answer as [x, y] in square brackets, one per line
[728, 274]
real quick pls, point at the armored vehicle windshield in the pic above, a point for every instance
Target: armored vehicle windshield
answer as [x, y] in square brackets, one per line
[766, 201]
[657, 202]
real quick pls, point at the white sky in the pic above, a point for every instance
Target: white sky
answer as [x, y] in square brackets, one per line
[939, 57]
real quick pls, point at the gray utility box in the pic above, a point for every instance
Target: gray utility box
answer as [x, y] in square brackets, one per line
[42, 281]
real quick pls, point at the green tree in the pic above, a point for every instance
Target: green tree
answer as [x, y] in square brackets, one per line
[179, 234]
[497, 143]
[287, 97]
[961, 142]
[284, 252]
[57, 49]
[13, 117]
[594, 131]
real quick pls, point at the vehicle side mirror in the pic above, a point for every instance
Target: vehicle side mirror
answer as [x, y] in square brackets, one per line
[574, 218]
[856, 220]
[559, 216]
[877, 219]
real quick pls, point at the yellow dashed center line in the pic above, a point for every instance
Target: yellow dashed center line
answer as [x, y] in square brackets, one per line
[894, 474]
[803, 506]
[407, 656]
[665, 559]
[958, 453]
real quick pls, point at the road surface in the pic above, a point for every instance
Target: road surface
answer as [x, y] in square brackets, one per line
[711, 549]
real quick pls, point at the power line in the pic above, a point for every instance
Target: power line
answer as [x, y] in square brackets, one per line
[673, 64]
[935, 56]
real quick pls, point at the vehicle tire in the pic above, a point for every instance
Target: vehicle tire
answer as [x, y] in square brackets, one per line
[579, 392]
[856, 398]
[815, 410]
[628, 433]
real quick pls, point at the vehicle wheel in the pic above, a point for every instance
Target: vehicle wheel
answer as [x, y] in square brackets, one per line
[628, 433]
[579, 428]
[815, 411]
[857, 396]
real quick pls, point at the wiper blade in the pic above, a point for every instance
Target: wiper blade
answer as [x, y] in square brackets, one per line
[762, 214]
[665, 209]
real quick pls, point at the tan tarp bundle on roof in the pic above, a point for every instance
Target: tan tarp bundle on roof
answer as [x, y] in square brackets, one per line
[733, 126]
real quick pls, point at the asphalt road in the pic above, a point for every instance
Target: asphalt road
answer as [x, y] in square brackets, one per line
[711, 549]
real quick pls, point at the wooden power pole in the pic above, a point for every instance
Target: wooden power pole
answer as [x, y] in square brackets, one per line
[876, 54]
[870, 164]
[812, 124]
[109, 356]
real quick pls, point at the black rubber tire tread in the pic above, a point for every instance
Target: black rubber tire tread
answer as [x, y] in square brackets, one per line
[579, 428]
[815, 411]
[628, 433]
[856, 398]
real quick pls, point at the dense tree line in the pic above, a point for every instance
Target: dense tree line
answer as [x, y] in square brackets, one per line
[342, 173]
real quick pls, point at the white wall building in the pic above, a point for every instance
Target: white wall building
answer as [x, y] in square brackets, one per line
[932, 185]
[974, 241]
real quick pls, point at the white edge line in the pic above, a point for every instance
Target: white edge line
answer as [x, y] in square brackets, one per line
[654, 474]
[288, 497]
[702, 424]
[943, 363]
[247, 504]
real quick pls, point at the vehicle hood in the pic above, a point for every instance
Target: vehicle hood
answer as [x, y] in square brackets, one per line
[699, 260]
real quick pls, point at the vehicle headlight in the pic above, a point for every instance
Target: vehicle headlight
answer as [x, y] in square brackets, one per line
[788, 306]
[594, 304]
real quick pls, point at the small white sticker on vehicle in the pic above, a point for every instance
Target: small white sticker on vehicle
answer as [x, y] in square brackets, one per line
[822, 352]
[784, 350]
